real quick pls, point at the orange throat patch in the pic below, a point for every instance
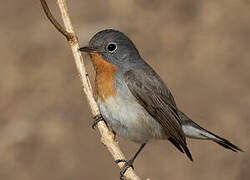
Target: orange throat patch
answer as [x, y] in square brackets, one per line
[105, 73]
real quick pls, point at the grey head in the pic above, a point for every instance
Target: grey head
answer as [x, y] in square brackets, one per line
[114, 46]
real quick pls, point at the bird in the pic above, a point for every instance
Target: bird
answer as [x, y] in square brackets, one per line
[134, 101]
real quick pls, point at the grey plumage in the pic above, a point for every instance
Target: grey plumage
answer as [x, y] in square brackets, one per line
[155, 97]
[141, 107]
[194, 131]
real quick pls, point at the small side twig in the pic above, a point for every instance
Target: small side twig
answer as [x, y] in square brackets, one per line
[54, 21]
[107, 137]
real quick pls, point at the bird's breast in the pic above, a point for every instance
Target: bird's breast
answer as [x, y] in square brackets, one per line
[105, 74]
[128, 118]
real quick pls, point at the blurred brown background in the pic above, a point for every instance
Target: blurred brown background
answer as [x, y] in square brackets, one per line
[200, 48]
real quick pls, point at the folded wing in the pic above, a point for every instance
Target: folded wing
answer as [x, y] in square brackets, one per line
[151, 92]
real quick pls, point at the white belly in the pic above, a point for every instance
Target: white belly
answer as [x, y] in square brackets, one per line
[130, 120]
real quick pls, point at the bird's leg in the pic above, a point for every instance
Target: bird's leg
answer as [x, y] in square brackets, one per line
[130, 162]
[97, 118]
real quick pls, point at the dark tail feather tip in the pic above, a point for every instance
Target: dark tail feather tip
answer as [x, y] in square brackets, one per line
[228, 145]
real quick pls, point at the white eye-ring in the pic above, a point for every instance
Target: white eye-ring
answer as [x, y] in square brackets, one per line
[111, 47]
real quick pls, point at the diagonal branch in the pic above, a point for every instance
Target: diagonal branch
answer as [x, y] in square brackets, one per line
[107, 137]
[54, 21]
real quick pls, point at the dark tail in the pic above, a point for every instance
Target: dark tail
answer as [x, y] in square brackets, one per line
[194, 131]
[227, 144]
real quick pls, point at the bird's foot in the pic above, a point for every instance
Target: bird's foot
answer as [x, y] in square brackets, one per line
[125, 166]
[97, 119]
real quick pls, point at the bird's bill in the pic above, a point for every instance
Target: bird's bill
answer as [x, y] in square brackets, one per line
[87, 49]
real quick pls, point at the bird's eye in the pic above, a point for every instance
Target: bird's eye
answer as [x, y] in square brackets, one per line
[111, 47]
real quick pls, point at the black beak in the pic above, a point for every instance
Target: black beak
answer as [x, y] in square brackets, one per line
[86, 49]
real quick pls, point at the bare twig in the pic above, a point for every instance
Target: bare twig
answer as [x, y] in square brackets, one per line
[54, 21]
[107, 137]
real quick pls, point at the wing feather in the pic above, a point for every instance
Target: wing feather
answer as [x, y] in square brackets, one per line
[152, 93]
